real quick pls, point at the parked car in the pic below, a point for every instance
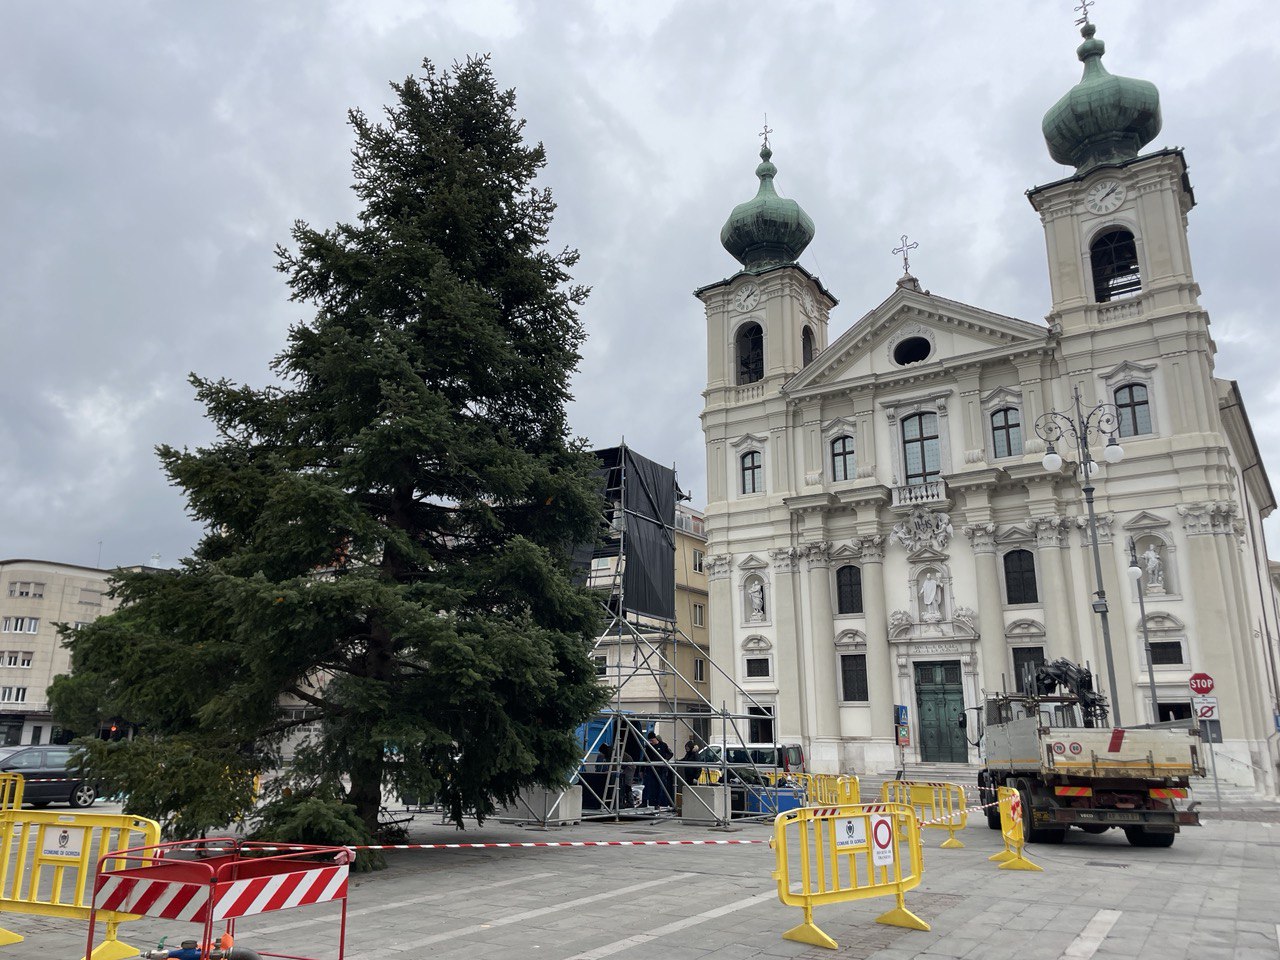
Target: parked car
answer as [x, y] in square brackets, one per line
[752, 762]
[47, 777]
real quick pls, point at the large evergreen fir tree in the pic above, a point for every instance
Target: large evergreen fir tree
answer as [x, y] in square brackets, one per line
[389, 530]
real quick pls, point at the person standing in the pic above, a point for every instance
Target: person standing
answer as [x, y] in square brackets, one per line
[658, 774]
[690, 764]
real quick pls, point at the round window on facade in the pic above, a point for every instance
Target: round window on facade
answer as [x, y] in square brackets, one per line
[912, 350]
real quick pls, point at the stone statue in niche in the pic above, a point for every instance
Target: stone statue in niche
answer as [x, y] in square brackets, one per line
[930, 599]
[1155, 569]
[755, 596]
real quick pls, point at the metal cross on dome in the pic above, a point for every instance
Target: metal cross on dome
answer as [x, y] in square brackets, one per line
[905, 250]
[1083, 10]
[764, 134]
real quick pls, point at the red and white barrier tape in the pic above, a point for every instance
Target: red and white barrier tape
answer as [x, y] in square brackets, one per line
[982, 806]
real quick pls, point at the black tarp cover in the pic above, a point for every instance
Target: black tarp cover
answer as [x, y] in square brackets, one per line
[649, 545]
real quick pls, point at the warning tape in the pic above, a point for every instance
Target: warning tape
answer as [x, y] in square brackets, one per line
[537, 843]
[981, 806]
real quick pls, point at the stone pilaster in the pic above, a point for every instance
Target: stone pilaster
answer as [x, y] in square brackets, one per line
[990, 619]
[820, 652]
[880, 667]
[1060, 638]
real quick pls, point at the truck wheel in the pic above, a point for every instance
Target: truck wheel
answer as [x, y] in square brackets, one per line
[1037, 834]
[1141, 837]
[993, 817]
[987, 793]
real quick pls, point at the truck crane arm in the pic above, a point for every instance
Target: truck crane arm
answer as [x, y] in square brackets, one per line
[1076, 681]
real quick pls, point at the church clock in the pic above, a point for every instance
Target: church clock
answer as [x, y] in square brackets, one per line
[1104, 196]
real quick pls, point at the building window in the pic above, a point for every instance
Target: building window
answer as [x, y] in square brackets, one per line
[91, 597]
[26, 659]
[920, 450]
[1166, 652]
[1133, 410]
[1020, 577]
[752, 472]
[12, 659]
[699, 670]
[19, 694]
[699, 615]
[20, 625]
[853, 678]
[806, 347]
[698, 560]
[81, 624]
[760, 724]
[6, 694]
[1025, 662]
[602, 665]
[25, 588]
[849, 590]
[1114, 256]
[749, 345]
[843, 465]
[757, 667]
[1006, 432]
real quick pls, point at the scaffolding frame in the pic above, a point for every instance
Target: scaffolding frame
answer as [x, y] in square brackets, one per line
[649, 637]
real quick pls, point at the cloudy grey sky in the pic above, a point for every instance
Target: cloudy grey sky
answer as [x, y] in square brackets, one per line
[153, 153]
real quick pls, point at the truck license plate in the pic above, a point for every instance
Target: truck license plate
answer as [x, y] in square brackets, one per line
[1123, 816]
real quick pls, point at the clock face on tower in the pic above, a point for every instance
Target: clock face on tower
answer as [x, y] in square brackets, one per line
[1104, 196]
[747, 297]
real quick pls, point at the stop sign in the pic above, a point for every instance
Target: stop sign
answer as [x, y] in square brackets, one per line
[1201, 683]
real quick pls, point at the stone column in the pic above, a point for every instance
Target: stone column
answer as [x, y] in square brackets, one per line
[793, 696]
[880, 665]
[819, 652]
[1060, 639]
[720, 629]
[990, 609]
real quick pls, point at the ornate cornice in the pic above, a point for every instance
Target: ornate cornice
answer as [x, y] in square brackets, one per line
[1212, 517]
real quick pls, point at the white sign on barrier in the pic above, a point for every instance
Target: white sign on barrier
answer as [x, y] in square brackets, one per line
[882, 845]
[63, 842]
[851, 832]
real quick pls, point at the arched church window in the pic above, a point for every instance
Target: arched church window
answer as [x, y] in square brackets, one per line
[843, 463]
[1020, 577]
[1114, 256]
[1006, 432]
[920, 448]
[1133, 410]
[806, 346]
[849, 590]
[752, 472]
[749, 346]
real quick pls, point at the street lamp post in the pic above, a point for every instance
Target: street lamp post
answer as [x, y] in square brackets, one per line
[1101, 421]
[1135, 574]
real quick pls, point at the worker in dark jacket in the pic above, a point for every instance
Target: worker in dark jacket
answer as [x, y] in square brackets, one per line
[657, 776]
[690, 763]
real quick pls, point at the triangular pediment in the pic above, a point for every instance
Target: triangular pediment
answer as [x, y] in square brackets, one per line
[928, 555]
[1145, 521]
[752, 562]
[1013, 535]
[952, 329]
[845, 552]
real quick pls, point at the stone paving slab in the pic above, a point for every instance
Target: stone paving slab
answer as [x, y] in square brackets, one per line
[1213, 894]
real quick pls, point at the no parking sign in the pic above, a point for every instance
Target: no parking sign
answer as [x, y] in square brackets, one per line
[882, 845]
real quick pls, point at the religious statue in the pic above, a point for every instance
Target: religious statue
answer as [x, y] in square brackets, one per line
[755, 593]
[930, 599]
[1155, 567]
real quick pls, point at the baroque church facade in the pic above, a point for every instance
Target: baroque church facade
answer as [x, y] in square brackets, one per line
[883, 524]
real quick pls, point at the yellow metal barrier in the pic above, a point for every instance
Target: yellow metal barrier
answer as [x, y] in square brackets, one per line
[843, 853]
[47, 863]
[940, 806]
[10, 792]
[1011, 858]
[848, 790]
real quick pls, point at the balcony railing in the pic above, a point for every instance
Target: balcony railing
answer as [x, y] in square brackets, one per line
[916, 494]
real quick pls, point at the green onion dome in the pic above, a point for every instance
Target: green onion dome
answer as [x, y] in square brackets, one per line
[767, 229]
[1103, 118]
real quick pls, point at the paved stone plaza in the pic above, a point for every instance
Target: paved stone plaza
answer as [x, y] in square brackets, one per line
[1213, 895]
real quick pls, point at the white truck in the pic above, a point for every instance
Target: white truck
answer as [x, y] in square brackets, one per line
[1073, 769]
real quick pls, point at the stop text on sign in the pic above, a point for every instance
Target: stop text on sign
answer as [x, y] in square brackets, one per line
[1200, 683]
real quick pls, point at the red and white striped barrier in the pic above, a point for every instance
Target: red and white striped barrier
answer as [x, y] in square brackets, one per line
[198, 902]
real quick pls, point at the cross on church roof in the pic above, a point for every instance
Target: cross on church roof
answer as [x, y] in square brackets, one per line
[905, 250]
[1083, 10]
[764, 134]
